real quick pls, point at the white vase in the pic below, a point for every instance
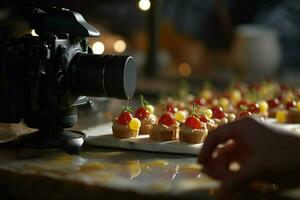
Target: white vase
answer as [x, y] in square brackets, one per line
[257, 51]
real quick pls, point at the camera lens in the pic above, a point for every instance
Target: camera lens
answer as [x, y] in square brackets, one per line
[103, 75]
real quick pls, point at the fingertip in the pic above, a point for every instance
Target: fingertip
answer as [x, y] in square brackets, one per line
[208, 147]
[214, 138]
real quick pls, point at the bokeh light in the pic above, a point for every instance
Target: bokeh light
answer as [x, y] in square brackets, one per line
[144, 5]
[120, 46]
[33, 33]
[184, 69]
[98, 48]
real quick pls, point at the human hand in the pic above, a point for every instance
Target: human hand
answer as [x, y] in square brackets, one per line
[264, 153]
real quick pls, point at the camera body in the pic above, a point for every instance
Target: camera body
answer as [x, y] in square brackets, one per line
[36, 78]
[44, 78]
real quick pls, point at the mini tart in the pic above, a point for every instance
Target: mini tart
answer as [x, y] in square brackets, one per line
[193, 136]
[165, 133]
[122, 131]
[147, 124]
[293, 116]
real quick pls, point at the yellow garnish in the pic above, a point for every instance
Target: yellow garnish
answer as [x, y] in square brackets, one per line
[134, 124]
[298, 106]
[263, 106]
[208, 113]
[150, 108]
[224, 103]
[235, 96]
[281, 116]
[180, 116]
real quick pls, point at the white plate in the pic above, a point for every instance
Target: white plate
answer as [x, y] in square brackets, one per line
[102, 136]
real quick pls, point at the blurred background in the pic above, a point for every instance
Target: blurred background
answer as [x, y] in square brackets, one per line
[172, 40]
[179, 45]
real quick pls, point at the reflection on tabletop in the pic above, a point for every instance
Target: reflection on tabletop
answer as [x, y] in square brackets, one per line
[142, 172]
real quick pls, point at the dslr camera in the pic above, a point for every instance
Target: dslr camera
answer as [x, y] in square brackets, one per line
[44, 78]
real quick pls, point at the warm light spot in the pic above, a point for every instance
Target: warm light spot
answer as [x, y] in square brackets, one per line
[157, 163]
[120, 46]
[234, 166]
[144, 5]
[98, 48]
[184, 69]
[134, 168]
[33, 33]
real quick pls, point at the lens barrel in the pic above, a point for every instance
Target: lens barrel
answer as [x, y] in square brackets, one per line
[103, 75]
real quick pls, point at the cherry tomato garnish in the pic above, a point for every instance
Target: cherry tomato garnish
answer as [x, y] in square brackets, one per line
[193, 122]
[200, 101]
[290, 105]
[167, 119]
[170, 108]
[203, 118]
[241, 103]
[273, 103]
[280, 97]
[141, 113]
[244, 113]
[124, 118]
[253, 108]
[218, 112]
